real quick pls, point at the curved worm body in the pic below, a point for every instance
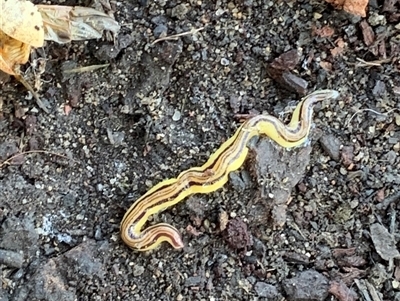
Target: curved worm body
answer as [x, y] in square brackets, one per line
[213, 174]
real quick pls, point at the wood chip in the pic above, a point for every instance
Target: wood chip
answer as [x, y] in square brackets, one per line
[368, 33]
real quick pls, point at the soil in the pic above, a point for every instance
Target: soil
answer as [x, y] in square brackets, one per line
[317, 222]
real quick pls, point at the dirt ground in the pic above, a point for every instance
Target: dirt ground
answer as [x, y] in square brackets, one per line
[317, 222]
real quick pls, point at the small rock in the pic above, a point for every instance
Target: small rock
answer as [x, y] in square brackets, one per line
[280, 71]
[219, 12]
[158, 20]
[11, 259]
[234, 102]
[177, 115]
[267, 291]
[160, 31]
[83, 259]
[224, 62]
[374, 19]
[308, 285]
[69, 200]
[138, 270]
[331, 145]
[194, 281]
[107, 51]
[391, 157]
[236, 181]
[30, 124]
[379, 89]
[7, 149]
[19, 235]
[98, 235]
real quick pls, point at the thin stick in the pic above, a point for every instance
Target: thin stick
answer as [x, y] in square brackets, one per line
[85, 69]
[369, 110]
[176, 36]
[371, 63]
[33, 152]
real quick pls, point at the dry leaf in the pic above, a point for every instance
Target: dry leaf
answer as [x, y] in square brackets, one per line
[22, 22]
[356, 7]
[63, 24]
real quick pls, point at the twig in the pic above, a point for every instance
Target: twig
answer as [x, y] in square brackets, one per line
[371, 63]
[84, 69]
[176, 36]
[5, 162]
[369, 110]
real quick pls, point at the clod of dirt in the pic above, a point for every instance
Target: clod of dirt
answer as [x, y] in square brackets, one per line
[277, 173]
[309, 285]
[237, 235]
[153, 74]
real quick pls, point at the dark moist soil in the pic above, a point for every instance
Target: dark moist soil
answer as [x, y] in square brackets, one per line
[318, 222]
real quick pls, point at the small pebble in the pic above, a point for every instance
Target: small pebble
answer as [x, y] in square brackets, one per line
[177, 115]
[11, 259]
[331, 145]
[224, 62]
[160, 31]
